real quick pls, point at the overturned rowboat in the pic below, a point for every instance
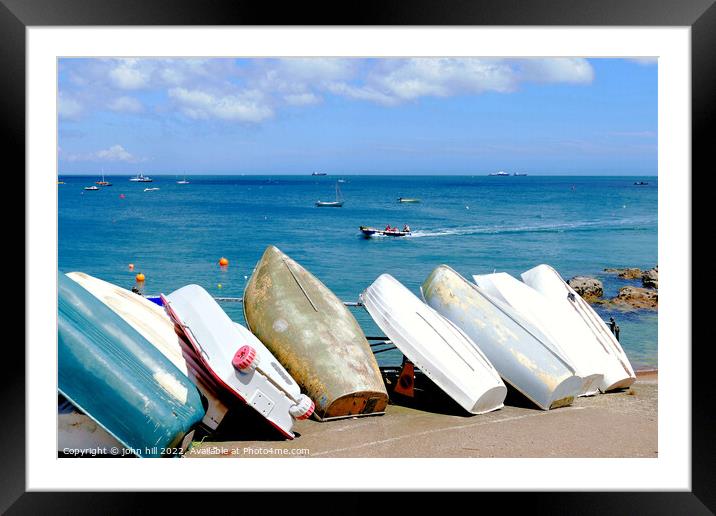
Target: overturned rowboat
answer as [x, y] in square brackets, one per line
[314, 336]
[522, 360]
[122, 382]
[439, 348]
[583, 320]
[153, 323]
[548, 318]
[235, 360]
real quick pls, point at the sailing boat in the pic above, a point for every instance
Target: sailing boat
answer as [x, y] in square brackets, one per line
[183, 181]
[338, 203]
[103, 182]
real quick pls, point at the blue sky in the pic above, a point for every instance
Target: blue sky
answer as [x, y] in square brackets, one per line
[562, 116]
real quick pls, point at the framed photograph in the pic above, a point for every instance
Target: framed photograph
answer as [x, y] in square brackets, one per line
[298, 254]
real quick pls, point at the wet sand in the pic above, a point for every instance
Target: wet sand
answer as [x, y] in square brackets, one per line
[620, 424]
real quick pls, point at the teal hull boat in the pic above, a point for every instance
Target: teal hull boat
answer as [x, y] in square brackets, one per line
[116, 377]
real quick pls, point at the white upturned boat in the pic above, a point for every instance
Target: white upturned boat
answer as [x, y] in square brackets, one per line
[549, 318]
[152, 322]
[523, 361]
[618, 372]
[80, 435]
[440, 349]
[233, 357]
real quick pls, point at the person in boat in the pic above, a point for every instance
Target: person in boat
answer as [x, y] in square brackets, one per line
[388, 228]
[406, 228]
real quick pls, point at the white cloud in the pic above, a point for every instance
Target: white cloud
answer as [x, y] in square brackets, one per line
[253, 90]
[127, 75]
[396, 81]
[361, 93]
[645, 60]
[113, 153]
[67, 107]
[301, 99]
[126, 104]
[242, 106]
[563, 69]
[304, 69]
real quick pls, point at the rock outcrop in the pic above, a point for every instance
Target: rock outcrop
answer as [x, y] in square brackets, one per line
[636, 297]
[591, 289]
[650, 278]
[627, 273]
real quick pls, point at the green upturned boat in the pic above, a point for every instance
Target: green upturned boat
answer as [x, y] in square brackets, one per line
[315, 338]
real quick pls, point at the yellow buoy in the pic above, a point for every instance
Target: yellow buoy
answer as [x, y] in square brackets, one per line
[223, 262]
[140, 277]
[219, 285]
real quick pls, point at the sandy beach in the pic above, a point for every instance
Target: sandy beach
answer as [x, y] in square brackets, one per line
[620, 424]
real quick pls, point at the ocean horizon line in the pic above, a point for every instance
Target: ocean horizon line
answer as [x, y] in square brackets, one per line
[337, 174]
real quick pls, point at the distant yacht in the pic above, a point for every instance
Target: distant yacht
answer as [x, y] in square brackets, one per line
[141, 178]
[151, 189]
[183, 181]
[520, 174]
[93, 187]
[500, 173]
[319, 174]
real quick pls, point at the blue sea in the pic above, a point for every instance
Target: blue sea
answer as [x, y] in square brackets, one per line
[475, 224]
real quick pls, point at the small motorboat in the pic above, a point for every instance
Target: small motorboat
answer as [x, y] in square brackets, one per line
[236, 361]
[408, 200]
[151, 189]
[319, 174]
[641, 183]
[92, 188]
[369, 232]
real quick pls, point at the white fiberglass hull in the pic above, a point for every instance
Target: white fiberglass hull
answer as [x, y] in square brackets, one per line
[522, 360]
[79, 435]
[269, 389]
[549, 318]
[154, 325]
[440, 349]
[618, 372]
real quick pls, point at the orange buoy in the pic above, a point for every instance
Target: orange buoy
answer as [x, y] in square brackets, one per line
[131, 266]
[223, 262]
[140, 277]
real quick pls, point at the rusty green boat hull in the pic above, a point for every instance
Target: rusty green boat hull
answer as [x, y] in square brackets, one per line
[315, 337]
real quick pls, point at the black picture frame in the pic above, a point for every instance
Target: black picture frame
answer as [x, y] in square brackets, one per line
[699, 15]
